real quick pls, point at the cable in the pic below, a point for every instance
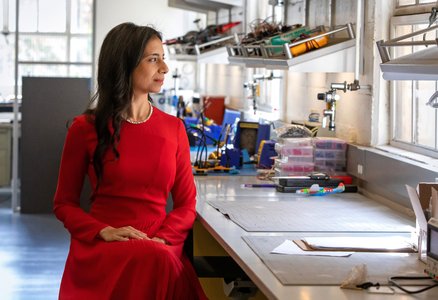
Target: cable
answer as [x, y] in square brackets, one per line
[200, 139]
[433, 16]
[392, 281]
[432, 19]
[367, 285]
[433, 100]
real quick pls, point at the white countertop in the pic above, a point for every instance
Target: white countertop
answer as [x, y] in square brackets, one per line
[229, 236]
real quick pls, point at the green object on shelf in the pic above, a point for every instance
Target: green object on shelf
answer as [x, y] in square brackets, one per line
[286, 37]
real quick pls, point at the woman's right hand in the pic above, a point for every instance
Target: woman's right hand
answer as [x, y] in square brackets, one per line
[111, 234]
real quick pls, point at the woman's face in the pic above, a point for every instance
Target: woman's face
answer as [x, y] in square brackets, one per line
[148, 76]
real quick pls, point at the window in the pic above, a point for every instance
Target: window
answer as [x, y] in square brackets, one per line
[55, 39]
[413, 2]
[414, 125]
[7, 49]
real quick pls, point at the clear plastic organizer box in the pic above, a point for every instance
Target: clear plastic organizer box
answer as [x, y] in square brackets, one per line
[287, 150]
[294, 160]
[296, 170]
[296, 142]
[329, 143]
[330, 154]
[290, 168]
[330, 166]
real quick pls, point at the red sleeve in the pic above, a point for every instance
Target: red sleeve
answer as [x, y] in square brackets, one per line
[180, 220]
[74, 164]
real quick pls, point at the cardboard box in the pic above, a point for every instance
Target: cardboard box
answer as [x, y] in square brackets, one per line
[424, 190]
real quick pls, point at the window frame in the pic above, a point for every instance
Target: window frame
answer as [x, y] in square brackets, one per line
[410, 9]
[67, 34]
[415, 19]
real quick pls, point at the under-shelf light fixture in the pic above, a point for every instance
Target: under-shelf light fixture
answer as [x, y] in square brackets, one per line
[421, 65]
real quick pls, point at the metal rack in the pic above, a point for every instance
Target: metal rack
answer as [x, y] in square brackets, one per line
[280, 57]
[421, 65]
[197, 52]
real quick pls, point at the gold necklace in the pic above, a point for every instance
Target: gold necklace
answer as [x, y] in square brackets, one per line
[129, 120]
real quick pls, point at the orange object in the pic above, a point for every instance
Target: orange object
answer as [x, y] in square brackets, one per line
[307, 46]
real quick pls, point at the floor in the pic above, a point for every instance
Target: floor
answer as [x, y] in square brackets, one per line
[33, 249]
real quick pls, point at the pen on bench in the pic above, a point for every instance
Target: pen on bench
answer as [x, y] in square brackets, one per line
[259, 185]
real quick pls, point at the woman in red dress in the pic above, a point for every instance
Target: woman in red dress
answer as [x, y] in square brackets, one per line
[127, 246]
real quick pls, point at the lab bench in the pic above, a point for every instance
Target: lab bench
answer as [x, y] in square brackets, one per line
[233, 239]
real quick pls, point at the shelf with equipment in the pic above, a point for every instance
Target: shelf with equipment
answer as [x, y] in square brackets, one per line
[205, 52]
[420, 65]
[330, 53]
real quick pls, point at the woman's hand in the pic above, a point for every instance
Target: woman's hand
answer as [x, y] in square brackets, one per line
[111, 234]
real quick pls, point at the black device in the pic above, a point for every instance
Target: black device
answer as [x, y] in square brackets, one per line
[290, 184]
[322, 179]
[292, 189]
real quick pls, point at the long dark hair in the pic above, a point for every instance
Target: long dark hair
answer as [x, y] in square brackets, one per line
[121, 52]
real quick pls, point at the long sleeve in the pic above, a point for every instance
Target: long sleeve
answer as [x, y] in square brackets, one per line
[180, 220]
[73, 168]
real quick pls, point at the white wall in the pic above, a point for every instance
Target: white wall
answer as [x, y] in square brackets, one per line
[171, 22]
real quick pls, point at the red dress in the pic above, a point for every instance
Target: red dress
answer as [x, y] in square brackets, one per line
[154, 161]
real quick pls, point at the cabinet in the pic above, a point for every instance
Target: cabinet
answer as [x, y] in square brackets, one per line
[5, 154]
[49, 104]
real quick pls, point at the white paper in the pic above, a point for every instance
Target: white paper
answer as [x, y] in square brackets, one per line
[289, 247]
[416, 205]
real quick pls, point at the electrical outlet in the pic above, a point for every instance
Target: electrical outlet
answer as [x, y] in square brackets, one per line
[359, 169]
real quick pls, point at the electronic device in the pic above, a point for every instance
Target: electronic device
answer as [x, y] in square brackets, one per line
[302, 182]
[250, 134]
[432, 248]
[292, 189]
[246, 136]
[230, 158]
[266, 153]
